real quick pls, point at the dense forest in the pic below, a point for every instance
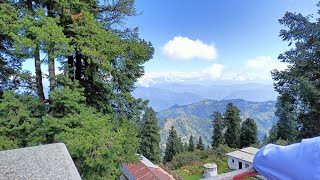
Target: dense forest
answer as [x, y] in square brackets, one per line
[86, 63]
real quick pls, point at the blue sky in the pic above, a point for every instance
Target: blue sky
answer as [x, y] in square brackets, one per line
[214, 40]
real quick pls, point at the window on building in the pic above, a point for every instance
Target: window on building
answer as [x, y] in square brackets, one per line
[232, 160]
[247, 165]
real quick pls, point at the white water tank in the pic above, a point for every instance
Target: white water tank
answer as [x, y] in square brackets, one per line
[210, 170]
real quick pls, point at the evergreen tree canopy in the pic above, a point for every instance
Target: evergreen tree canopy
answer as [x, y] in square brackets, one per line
[298, 85]
[273, 134]
[89, 105]
[233, 120]
[200, 144]
[191, 144]
[286, 125]
[173, 145]
[150, 136]
[218, 126]
[248, 133]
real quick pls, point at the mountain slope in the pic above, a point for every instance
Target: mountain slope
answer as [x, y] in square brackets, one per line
[195, 118]
[163, 96]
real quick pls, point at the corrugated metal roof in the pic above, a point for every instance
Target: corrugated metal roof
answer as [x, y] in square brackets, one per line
[140, 171]
[242, 155]
[250, 150]
[245, 154]
[147, 162]
[161, 174]
[145, 169]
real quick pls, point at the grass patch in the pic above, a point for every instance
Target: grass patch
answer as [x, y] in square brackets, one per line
[189, 165]
[193, 177]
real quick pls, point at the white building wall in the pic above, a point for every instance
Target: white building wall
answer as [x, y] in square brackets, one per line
[235, 164]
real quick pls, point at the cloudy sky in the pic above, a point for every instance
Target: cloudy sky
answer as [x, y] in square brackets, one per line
[212, 41]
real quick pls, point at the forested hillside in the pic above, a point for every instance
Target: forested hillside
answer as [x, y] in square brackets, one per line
[195, 119]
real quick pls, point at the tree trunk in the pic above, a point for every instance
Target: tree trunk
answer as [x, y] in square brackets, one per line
[52, 73]
[70, 67]
[78, 66]
[29, 4]
[37, 63]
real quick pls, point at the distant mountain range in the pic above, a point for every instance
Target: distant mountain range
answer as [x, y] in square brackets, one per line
[163, 96]
[161, 99]
[196, 118]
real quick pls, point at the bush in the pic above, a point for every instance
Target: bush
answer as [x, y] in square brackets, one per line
[185, 158]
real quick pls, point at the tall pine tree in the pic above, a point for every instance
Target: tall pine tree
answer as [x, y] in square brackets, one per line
[150, 136]
[287, 126]
[173, 145]
[233, 120]
[191, 144]
[248, 133]
[200, 144]
[301, 78]
[218, 126]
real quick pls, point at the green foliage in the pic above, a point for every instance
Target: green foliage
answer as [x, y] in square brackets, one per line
[90, 106]
[273, 134]
[200, 144]
[173, 145]
[191, 144]
[218, 126]
[9, 65]
[248, 133]
[232, 119]
[188, 164]
[67, 98]
[287, 126]
[298, 85]
[281, 142]
[186, 158]
[150, 136]
[19, 117]
[93, 143]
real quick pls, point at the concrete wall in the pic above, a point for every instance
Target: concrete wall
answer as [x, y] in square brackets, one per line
[235, 165]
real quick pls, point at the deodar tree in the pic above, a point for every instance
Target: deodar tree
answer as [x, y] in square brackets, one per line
[173, 146]
[218, 126]
[298, 85]
[89, 104]
[150, 136]
[248, 133]
[233, 120]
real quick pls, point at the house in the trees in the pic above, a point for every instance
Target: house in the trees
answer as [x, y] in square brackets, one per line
[144, 169]
[242, 158]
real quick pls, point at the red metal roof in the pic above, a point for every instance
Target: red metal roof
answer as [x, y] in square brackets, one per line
[140, 171]
[161, 174]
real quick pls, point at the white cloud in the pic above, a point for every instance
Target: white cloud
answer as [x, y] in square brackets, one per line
[260, 67]
[214, 71]
[257, 69]
[183, 48]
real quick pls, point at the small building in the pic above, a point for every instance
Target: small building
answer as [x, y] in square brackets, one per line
[210, 170]
[242, 159]
[144, 169]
